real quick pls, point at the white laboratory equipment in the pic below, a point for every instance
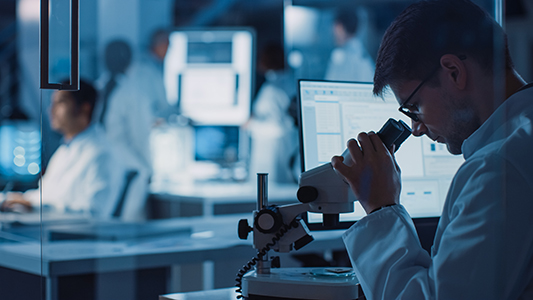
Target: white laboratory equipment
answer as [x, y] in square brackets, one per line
[281, 229]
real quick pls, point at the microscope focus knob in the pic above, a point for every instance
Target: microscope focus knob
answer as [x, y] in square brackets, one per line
[244, 229]
[307, 194]
[268, 220]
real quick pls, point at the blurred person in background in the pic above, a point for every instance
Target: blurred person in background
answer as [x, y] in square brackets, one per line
[151, 70]
[273, 131]
[350, 61]
[128, 117]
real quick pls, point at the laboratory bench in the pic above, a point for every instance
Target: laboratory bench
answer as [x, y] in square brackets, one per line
[201, 254]
[218, 294]
[213, 198]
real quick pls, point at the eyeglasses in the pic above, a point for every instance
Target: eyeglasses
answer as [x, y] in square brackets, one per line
[407, 109]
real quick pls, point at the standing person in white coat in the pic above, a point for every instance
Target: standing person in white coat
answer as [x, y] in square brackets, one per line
[133, 107]
[349, 61]
[128, 117]
[128, 122]
[150, 68]
[273, 132]
[448, 64]
[84, 175]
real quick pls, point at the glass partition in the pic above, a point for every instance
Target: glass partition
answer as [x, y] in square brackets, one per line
[133, 185]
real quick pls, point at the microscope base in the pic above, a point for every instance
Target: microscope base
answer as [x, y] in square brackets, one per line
[302, 283]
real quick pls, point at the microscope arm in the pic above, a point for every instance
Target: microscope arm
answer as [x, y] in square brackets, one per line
[280, 228]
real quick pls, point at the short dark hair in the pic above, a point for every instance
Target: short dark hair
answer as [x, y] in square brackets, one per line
[158, 36]
[272, 56]
[86, 94]
[425, 31]
[118, 56]
[347, 17]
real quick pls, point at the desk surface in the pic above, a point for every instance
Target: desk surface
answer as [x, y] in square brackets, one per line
[218, 294]
[214, 239]
[222, 192]
[212, 199]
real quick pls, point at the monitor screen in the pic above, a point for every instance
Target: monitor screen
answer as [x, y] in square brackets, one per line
[333, 112]
[20, 151]
[209, 74]
[219, 144]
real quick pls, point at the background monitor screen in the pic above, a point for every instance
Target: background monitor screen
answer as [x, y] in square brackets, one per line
[333, 112]
[209, 74]
[216, 143]
[20, 152]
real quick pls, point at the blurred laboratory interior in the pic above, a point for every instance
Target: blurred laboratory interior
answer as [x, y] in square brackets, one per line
[132, 187]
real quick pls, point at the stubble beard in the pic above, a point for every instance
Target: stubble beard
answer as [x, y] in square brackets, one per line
[463, 122]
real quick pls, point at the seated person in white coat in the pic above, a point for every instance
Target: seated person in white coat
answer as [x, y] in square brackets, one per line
[83, 175]
[349, 61]
[448, 64]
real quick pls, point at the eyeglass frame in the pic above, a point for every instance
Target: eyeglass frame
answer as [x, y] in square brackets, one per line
[403, 109]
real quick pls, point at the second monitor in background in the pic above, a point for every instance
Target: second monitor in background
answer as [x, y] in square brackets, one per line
[221, 149]
[209, 74]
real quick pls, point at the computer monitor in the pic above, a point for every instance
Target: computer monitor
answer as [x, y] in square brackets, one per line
[20, 152]
[218, 144]
[219, 153]
[209, 74]
[333, 112]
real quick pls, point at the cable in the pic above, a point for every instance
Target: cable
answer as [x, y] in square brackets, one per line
[260, 253]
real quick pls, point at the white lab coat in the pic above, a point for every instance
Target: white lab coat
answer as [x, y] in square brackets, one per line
[128, 123]
[83, 176]
[483, 248]
[351, 62]
[150, 73]
[274, 135]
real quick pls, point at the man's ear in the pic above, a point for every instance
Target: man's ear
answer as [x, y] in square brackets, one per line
[455, 70]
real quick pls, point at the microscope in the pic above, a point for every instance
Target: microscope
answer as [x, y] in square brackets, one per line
[280, 228]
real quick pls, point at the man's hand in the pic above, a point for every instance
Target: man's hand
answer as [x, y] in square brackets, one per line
[16, 202]
[373, 173]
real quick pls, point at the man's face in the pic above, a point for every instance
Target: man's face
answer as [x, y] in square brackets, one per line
[444, 117]
[340, 34]
[63, 112]
[160, 49]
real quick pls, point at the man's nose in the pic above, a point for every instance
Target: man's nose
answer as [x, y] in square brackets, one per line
[418, 128]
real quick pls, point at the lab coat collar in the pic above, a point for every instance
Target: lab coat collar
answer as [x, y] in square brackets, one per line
[83, 135]
[502, 122]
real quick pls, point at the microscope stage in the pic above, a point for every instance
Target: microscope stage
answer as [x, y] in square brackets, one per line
[302, 283]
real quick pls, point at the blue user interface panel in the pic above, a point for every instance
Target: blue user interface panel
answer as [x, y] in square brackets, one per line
[20, 153]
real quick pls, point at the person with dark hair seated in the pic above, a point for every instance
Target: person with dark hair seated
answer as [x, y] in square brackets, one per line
[84, 175]
[448, 64]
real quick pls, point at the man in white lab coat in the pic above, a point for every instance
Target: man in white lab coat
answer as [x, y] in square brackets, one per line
[84, 175]
[133, 107]
[128, 122]
[448, 65]
[150, 67]
[274, 135]
[349, 61]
